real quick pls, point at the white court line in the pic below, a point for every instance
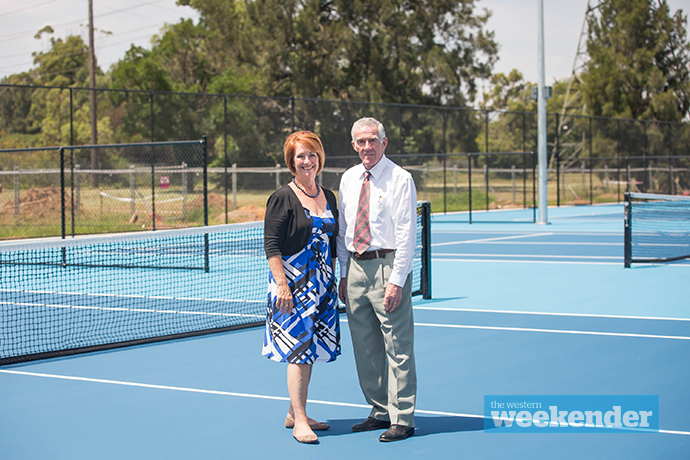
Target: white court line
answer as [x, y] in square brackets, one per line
[551, 331]
[132, 310]
[532, 256]
[499, 232]
[562, 262]
[125, 296]
[566, 262]
[554, 331]
[248, 395]
[581, 315]
[484, 240]
[549, 243]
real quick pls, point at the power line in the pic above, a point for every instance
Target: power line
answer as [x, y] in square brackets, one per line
[27, 8]
[32, 32]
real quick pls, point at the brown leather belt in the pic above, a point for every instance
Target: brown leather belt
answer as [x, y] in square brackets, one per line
[378, 254]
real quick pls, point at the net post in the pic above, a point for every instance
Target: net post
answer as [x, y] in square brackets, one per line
[426, 250]
[62, 192]
[628, 231]
[62, 203]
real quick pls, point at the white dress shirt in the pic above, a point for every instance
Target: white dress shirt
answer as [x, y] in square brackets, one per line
[392, 215]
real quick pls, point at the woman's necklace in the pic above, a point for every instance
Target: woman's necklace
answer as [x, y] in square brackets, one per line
[318, 191]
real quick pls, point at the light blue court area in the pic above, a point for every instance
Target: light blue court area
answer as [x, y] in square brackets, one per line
[517, 309]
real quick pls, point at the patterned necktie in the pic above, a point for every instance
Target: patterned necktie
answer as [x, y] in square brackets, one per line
[362, 231]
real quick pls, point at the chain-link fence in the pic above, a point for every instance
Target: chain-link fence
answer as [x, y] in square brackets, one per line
[591, 159]
[102, 188]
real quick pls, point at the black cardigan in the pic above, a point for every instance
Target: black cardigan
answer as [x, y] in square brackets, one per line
[287, 228]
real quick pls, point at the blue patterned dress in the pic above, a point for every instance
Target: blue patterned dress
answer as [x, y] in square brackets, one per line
[310, 333]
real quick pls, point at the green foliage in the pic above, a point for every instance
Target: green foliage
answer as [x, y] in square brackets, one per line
[639, 61]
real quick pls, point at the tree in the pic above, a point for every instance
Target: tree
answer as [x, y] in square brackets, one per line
[409, 51]
[639, 60]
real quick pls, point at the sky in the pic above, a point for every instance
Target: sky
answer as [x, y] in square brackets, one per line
[121, 23]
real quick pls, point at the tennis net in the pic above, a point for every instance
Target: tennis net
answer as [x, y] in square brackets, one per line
[60, 297]
[657, 228]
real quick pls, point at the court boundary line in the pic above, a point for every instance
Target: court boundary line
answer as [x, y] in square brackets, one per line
[256, 396]
[554, 331]
[554, 231]
[528, 243]
[586, 315]
[483, 240]
[546, 256]
[566, 262]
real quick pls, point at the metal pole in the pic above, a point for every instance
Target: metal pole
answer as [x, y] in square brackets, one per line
[205, 145]
[92, 86]
[558, 166]
[469, 176]
[225, 152]
[71, 168]
[541, 112]
[627, 247]
[151, 113]
[62, 192]
[71, 118]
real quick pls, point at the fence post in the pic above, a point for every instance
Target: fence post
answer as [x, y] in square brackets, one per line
[77, 189]
[205, 146]
[132, 190]
[62, 192]
[277, 176]
[512, 179]
[486, 182]
[606, 178]
[234, 186]
[184, 190]
[469, 175]
[583, 171]
[225, 153]
[16, 192]
[153, 191]
[444, 183]
[672, 185]
[650, 187]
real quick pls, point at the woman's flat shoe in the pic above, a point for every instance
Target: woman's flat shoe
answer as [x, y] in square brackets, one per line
[306, 441]
[318, 426]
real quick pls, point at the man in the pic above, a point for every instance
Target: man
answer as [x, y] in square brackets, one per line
[378, 215]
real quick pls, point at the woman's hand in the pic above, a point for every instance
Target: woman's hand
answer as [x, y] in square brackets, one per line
[284, 298]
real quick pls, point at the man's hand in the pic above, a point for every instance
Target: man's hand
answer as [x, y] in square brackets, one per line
[391, 299]
[342, 289]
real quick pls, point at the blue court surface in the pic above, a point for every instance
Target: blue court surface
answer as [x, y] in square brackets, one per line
[517, 309]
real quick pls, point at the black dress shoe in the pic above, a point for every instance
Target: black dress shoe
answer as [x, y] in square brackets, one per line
[371, 424]
[397, 433]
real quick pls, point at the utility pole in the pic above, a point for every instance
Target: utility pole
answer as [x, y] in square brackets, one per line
[92, 86]
[541, 124]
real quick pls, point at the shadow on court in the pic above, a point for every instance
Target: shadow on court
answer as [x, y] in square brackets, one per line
[425, 425]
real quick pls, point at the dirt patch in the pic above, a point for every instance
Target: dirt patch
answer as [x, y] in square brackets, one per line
[247, 213]
[39, 202]
[215, 201]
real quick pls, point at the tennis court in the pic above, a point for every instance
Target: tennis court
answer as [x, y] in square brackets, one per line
[517, 309]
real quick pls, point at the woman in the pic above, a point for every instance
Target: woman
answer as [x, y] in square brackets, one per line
[302, 326]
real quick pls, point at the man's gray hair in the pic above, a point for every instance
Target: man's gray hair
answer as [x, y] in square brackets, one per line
[368, 122]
